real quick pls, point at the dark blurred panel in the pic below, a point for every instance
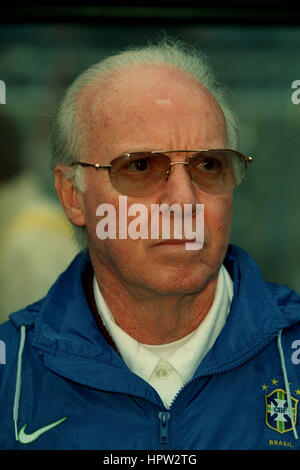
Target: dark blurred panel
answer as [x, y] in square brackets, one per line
[264, 12]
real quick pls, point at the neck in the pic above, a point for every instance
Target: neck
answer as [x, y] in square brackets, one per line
[151, 317]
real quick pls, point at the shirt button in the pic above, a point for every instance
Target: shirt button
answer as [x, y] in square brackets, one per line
[161, 373]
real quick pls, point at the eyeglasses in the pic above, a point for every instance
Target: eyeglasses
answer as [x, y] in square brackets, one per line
[142, 173]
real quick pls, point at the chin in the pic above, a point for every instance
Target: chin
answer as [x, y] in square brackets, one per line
[172, 282]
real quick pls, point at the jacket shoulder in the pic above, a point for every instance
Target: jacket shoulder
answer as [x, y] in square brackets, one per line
[10, 335]
[288, 301]
[285, 297]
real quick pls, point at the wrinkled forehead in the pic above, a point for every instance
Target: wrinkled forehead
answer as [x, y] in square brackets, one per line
[141, 94]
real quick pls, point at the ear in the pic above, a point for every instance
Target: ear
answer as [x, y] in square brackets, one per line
[71, 199]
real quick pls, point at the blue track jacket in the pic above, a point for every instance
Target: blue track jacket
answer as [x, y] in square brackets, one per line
[63, 386]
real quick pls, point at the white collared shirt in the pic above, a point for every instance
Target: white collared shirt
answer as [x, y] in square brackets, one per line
[168, 367]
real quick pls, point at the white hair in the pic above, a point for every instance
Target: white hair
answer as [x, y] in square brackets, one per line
[68, 142]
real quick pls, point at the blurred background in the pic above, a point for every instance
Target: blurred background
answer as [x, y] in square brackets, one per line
[255, 54]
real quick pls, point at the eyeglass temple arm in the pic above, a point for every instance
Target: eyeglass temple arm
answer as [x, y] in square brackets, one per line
[97, 166]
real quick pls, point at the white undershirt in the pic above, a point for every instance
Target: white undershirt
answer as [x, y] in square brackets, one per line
[169, 366]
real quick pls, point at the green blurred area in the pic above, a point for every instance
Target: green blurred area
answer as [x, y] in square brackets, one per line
[257, 63]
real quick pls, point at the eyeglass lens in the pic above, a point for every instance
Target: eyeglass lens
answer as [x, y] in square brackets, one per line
[142, 173]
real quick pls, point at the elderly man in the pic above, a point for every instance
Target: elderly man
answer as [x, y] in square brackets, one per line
[142, 343]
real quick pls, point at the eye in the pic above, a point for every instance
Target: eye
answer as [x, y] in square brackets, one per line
[139, 165]
[209, 164]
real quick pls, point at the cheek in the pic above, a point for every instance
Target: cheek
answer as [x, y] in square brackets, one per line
[121, 258]
[218, 216]
[118, 251]
[98, 191]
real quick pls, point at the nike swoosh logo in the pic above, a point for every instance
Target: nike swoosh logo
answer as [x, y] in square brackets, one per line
[28, 438]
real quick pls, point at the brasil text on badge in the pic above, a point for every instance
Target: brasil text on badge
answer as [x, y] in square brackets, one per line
[277, 413]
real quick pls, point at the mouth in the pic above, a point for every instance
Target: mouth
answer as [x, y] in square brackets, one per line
[175, 242]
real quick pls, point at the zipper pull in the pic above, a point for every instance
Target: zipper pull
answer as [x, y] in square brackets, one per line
[164, 417]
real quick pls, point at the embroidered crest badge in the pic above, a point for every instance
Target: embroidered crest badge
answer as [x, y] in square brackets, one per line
[277, 413]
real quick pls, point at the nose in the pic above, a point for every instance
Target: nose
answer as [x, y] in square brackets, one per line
[179, 187]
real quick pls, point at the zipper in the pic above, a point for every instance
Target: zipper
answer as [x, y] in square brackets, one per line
[164, 417]
[225, 369]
